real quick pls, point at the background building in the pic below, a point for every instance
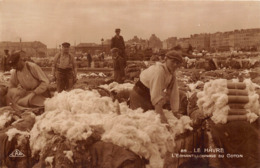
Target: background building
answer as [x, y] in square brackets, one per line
[200, 41]
[32, 49]
[92, 48]
[170, 43]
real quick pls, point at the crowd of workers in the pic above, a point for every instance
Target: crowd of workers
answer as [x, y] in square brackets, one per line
[157, 84]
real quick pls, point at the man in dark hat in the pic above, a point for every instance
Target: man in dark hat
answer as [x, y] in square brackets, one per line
[118, 42]
[4, 60]
[157, 85]
[64, 69]
[28, 84]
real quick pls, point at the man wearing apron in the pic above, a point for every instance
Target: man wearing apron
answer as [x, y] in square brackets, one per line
[64, 69]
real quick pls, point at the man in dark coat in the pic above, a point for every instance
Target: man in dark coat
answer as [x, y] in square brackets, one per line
[118, 42]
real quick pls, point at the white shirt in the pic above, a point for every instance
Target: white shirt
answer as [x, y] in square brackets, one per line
[162, 84]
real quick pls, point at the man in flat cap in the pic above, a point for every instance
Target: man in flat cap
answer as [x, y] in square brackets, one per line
[119, 69]
[64, 69]
[118, 42]
[28, 84]
[157, 85]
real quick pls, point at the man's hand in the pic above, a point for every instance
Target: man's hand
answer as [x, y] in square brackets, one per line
[22, 92]
[163, 119]
[177, 115]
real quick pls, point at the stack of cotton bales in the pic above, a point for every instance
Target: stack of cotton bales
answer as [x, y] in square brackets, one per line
[229, 100]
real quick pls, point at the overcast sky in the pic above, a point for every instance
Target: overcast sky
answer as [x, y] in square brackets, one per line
[53, 22]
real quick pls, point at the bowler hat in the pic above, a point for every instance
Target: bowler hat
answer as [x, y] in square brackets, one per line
[176, 55]
[65, 44]
[13, 59]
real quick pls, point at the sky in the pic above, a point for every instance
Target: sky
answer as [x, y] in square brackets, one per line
[55, 21]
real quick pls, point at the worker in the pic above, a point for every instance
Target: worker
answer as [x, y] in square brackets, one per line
[157, 85]
[64, 69]
[4, 60]
[89, 57]
[119, 69]
[118, 42]
[28, 84]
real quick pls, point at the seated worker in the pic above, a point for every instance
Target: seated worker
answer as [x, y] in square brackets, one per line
[157, 85]
[119, 65]
[28, 84]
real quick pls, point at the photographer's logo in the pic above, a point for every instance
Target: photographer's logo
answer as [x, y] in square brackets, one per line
[16, 153]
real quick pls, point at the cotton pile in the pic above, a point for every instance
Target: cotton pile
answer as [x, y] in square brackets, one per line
[70, 114]
[73, 114]
[213, 100]
[114, 86]
[84, 75]
[5, 77]
[253, 106]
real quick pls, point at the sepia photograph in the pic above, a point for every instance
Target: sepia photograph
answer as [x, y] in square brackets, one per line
[129, 84]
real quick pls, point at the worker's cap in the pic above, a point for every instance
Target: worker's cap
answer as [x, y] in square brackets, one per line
[65, 45]
[14, 58]
[176, 55]
[117, 30]
[113, 50]
[5, 50]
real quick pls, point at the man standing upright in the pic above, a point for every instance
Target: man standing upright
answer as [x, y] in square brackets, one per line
[64, 69]
[4, 60]
[89, 59]
[118, 42]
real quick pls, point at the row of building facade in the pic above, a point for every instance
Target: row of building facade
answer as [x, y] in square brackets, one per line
[244, 39]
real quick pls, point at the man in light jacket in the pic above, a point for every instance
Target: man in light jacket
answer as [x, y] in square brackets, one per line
[157, 85]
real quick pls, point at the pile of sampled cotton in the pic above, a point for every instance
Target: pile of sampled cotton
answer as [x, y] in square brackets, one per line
[5, 77]
[73, 115]
[114, 86]
[218, 96]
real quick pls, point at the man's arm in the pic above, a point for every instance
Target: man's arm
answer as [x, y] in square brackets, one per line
[38, 73]
[159, 110]
[74, 65]
[174, 96]
[123, 42]
[54, 65]
[157, 94]
[112, 43]
[13, 80]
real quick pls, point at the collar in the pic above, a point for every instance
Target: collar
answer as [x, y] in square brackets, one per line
[166, 70]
